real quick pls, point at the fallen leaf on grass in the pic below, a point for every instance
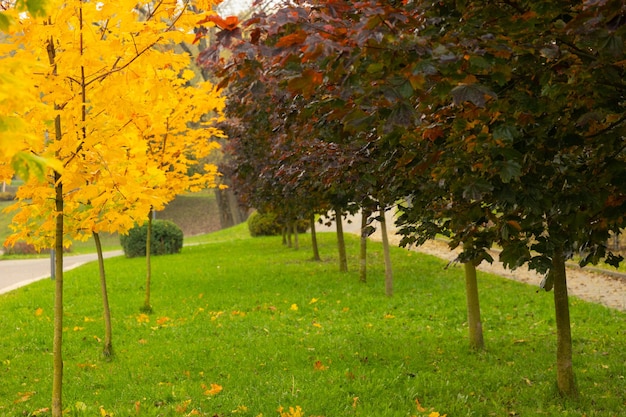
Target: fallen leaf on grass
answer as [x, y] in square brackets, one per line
[24, 396]
[143, 318]
[319, 366]
[214, 390]
[39, 312]
[162, 320]
[294, 307]
[419, 406]
[181, 408]
[297, 412]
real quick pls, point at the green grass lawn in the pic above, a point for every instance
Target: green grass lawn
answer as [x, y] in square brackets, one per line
[243, 326]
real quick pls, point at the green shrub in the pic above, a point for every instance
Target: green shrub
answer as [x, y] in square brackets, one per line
[267, 224]
[263, 224]
[167, 238]
[6, 196]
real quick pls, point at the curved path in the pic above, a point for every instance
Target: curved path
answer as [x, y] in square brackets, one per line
[19, 272]
[590, 284]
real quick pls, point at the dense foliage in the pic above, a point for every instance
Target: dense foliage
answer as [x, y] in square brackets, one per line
[166, 239]
[502, 122]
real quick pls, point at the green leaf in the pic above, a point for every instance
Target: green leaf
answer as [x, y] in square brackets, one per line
[26, 164]
[514, 255]
[506, 133]
[474, 93]
[509, 170]
[475, 190]
[5, 22]
[37, 8]
[375, 67]
[613, 45]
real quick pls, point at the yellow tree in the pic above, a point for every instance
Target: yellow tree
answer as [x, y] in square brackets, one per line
[176, 138]
[94, 58]
[17, 95]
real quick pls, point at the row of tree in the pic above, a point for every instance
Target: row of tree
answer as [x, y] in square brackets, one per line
[493, 123]
[105, 119]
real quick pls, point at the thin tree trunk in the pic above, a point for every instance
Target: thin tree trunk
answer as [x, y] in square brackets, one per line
[473, 307]
[564, 366]
[146, 305]
[388, 270]
[57, 340]
[341, 243]
[316, 252]
[57, 343]
[284, 233]
[363, 249]
[288, 228]
[107, 350]
[296, 240]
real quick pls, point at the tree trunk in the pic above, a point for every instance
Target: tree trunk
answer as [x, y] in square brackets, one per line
[147, 308]
[226, 218]
[473, 307]
[316, 252]
[233, 205]
[288, 230]
[388, 270]
[564, 367]
[341, 243]
[296, 240]
[57, 343]
[363, 250]
[107, 350]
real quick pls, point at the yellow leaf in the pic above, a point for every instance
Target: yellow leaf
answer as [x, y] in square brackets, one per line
[24, 396]
[313, 301]
[162, 320]
[294, 307]
[214, 390]
[419, 406]
[39, 312]
[143, 318]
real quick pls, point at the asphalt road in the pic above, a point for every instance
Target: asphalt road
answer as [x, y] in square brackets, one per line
[17, 273]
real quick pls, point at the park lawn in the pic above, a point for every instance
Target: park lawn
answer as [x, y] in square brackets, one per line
[245, 326]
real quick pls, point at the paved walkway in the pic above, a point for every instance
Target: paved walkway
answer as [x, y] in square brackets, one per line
[19, 272]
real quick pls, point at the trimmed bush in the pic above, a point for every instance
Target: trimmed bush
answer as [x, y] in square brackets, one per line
[267, 224]
[167, 238]
[7, 196]
[263, 224]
